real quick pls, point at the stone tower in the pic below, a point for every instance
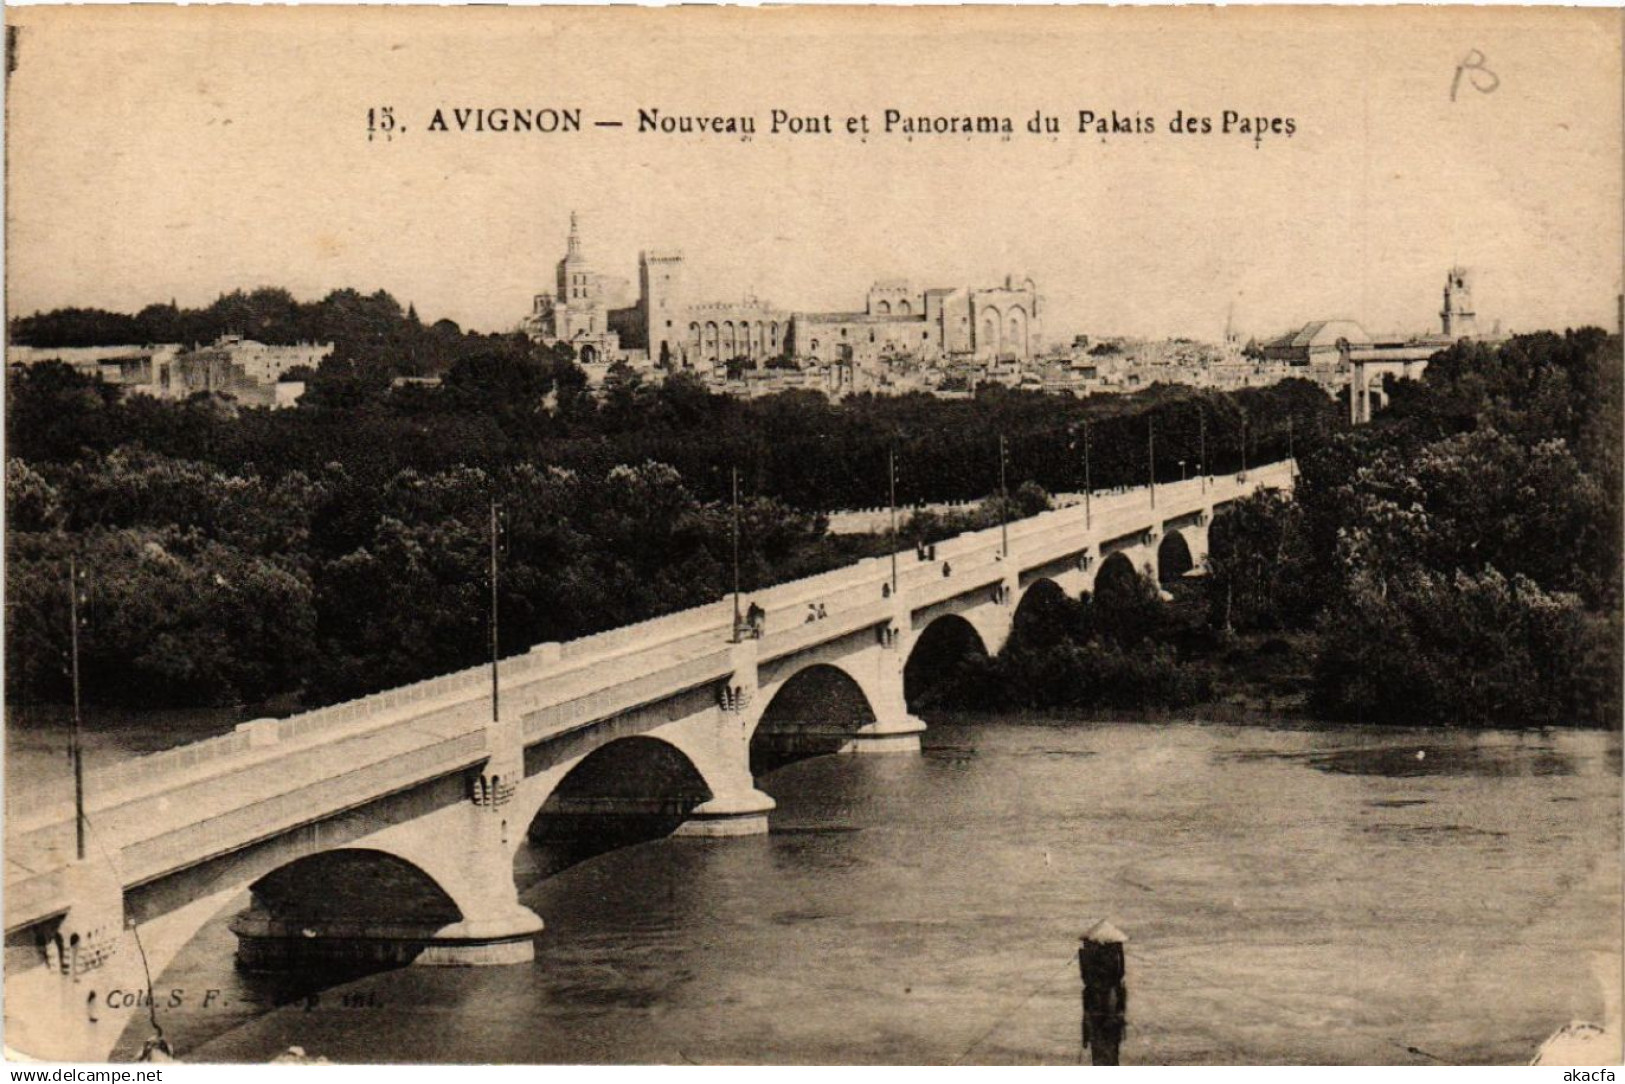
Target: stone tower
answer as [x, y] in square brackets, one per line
[1457, 318]
[578, 286]
[660, 293]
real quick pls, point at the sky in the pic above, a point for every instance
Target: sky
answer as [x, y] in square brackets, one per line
[178, 153]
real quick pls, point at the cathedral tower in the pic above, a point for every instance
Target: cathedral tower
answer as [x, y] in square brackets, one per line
[578, 286]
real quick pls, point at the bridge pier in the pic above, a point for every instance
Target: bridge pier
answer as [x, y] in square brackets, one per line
[895, 729]
[1196, 540]
[502, 935]
[743, 813]
[736, 807]
[901, 735]
[495, 928]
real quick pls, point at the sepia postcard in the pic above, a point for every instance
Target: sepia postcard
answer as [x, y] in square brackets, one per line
[806, 536]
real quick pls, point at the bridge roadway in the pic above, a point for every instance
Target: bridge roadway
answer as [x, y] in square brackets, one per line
[206, 819]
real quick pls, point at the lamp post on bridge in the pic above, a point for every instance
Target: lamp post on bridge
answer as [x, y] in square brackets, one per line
[737, 618]
[1201, 447]
[496, 649]
[1151, 455]
[1072, 445]
[891, 496]
[1088, 486]
[1004, 505]
[1244, 446]
[75, 742]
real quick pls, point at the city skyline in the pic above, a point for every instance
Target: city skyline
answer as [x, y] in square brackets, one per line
[1385, 183]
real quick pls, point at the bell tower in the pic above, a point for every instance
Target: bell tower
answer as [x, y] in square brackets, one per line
[578, 286]
[1457, 318]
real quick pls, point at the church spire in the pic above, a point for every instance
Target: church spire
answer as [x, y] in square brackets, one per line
[575, 236]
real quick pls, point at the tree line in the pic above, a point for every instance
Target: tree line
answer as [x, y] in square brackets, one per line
[372, 334]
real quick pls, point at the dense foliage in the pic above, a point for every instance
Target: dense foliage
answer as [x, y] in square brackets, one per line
[1459, 561]
[1114, 649]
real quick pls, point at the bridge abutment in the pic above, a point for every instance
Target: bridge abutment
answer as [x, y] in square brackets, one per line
[78, 1004]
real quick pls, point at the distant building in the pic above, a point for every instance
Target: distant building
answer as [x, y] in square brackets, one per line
[130, 367]
[1315, 343]
[674, 326]
[249, 371]
[998, 323]
[578, 311]
[265, 363]
[1339, 353]
[1405, 357]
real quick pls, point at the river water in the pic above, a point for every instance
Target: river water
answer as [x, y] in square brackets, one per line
[1294, 896]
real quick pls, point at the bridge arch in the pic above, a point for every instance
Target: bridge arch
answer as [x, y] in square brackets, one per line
[814, 712]
[1174, 557]
[629, 790]
[385, 906]
[1117, 570]
[320, 919]
[1043, 614]
[323, 918]
[939, 651]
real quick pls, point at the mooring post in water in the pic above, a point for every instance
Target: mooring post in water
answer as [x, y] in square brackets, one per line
[1105, 993]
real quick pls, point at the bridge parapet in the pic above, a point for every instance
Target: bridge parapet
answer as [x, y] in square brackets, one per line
[548, 719]
[842, 622]
[193, 842]
[655, 630]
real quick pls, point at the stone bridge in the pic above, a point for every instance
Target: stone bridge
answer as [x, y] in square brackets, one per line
[386, 830]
